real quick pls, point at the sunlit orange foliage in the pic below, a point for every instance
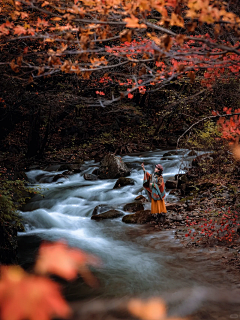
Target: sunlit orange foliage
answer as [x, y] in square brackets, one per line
[26, 296]
[65, 262]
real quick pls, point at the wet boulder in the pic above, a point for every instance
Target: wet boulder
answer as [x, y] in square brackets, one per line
[113, 167]
[111, 214]
[133, 207]
[140, 217]
[90, 177]
[141, 199]
[100, 209]
[58, 176]
[122, 182]
[192, 153]
[171, 184]
[170, 153]
[44, 178]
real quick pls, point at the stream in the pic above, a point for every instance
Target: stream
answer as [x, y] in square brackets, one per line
[135, 261]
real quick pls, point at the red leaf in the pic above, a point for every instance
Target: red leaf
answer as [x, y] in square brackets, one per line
[24, 296]
[130, 96]
[66, 262]
[19, 30]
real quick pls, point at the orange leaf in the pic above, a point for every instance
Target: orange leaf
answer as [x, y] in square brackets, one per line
[133, 22]
[19, 30]
[24, 296]
[56, 19]
[65, 262]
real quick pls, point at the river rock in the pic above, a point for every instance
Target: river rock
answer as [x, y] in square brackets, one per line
[140, 217]
[122, 182]
[58, 176]
[90, 177]
[141, 199]
[133, 207]
[192, 153]
[111, 214]
[113, 167]
[171, 184]
[100, 209]
[44, 178]
[170, 153]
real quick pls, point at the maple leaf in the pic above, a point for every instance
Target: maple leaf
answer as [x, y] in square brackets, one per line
[24, 15]
[24, 296]
[133, 22]
[3, 29]
[176, 20]
[65, 262]
[19, 30]
[130, 96]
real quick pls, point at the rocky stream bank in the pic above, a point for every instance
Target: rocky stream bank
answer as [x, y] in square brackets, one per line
[202, 199]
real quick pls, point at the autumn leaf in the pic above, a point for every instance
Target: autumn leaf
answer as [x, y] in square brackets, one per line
[176, 20]
[24, 15]
[3, 29]
[59, 259]
[24, 296]
[133, 22]
[166, 42]
[130, 96]
[125, 35]
[19, 30]
[14, 66]
[56, 19]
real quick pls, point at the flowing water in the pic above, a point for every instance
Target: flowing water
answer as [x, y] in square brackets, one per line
[134, 260]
